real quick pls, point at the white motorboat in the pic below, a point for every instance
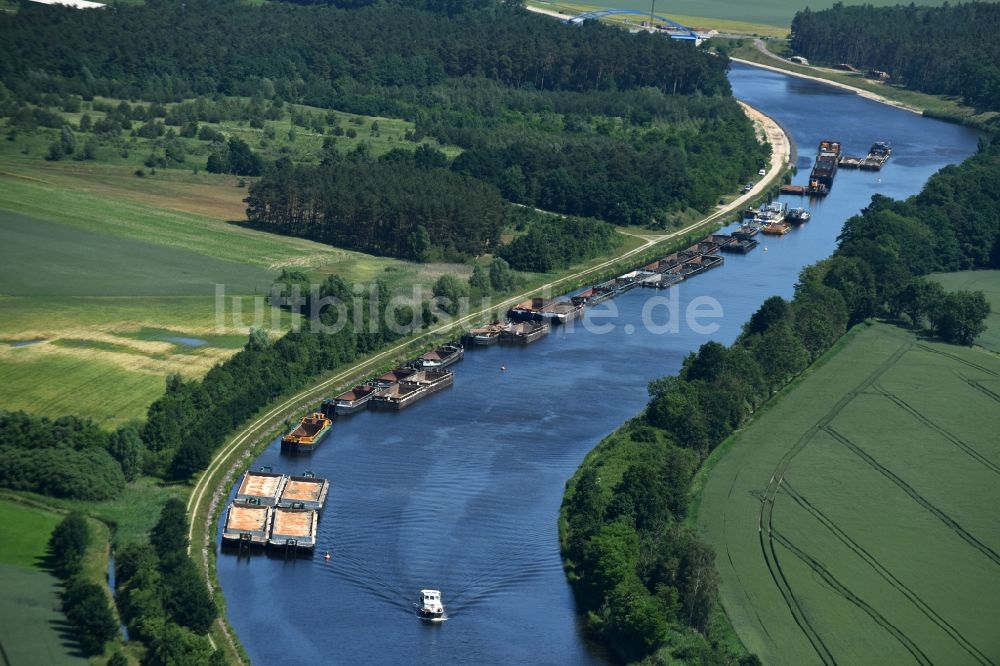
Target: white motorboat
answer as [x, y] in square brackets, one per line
[430, 607]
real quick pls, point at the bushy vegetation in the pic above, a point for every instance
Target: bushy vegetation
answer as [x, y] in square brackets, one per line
[84, 603]
[68, 457]
[553, 242]
[949, 50]
[647, 582]
[163, 597]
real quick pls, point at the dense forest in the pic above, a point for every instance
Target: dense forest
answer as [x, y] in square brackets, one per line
[388, 208]
[588, 121]
[949, 50]
[646, 581]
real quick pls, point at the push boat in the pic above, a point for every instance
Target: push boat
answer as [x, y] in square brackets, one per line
[798, 215]
[430, 607]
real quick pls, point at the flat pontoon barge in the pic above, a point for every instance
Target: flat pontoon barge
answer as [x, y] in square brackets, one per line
[261, 487]
[304, 492]
[294, 530]
[247, 525]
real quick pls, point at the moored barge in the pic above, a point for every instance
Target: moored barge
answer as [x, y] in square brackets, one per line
[247, 525]
[394, 376]
[525, 332]
[304, 492]
[294, 529]
[776, 228]
[661, 280]
[484, 335]
[700, 265]
[397, 396]
[592, 296]
[825, 168]
[737, 245]
[431, 380]
[354, 400]
[308, 434]
[261, 487]
[555, 311]
[442, 356]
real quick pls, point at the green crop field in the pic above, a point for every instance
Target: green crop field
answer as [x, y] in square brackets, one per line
[32, 629]
[107, 283]
[855, 521]
[987, 282]
[769, 12]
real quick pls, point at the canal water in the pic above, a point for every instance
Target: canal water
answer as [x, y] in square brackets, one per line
[461, 491]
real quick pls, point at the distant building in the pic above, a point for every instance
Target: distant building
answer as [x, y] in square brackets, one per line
[76, 4]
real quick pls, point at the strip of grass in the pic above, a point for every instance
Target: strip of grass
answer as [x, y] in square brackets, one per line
[32, 630]
[777, 13]
[697, 19]
[878, 467]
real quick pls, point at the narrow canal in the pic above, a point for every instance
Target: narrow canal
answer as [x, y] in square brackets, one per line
[461, 491]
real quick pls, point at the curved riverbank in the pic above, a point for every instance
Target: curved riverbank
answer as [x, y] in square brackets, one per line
[213, 485]
[867, 94]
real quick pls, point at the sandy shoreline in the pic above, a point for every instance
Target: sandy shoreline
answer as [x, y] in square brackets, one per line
[836, 84]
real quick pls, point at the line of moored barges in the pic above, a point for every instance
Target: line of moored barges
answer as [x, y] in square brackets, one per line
[279, 511]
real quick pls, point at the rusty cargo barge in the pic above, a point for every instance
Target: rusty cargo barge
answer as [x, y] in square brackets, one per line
[553, 311]
[411, 388]
[275, 511]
